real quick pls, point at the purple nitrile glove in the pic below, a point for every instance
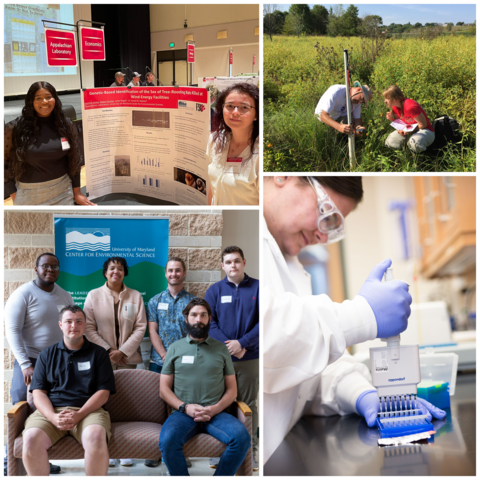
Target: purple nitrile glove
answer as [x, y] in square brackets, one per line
[368, 406]
[428, 409]
[390, 301]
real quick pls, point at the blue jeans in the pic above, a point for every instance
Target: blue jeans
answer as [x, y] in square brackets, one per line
[180, 428]
[153, 367]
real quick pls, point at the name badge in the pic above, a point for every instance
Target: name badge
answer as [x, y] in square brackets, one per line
[65, 144]
[188, 359]
[83, 366]
[227, 299]
[233, 165]
[162, 306]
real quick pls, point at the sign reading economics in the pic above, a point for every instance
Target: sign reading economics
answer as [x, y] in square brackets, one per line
[92, 43]
[82, 245]
[61, 50]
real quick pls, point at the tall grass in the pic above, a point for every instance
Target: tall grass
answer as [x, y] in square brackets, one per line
[439, 74]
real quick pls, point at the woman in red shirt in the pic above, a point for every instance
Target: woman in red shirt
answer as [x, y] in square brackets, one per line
[410, 112]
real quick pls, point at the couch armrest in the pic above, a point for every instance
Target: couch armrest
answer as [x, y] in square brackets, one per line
[16, 409]
[244, 408]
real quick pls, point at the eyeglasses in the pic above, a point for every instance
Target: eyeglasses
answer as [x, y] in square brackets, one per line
[357, 101]
[330, 221]
[243, 109]
[53, 268]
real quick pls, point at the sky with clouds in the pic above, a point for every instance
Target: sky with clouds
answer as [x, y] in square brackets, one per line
[413, 13]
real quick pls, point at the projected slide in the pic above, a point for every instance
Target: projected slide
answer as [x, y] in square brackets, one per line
[24, 38]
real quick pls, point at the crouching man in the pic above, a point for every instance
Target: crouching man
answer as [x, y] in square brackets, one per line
[71, 382]
[198, 381]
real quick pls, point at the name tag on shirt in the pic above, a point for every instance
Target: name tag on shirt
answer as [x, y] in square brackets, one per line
[65, 144]
[162, 306]
[227, 299]
[83, 366]
[188, 359]
[233, 165]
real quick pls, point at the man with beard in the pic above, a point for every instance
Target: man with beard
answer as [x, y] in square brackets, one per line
[234, 303]
[198, 381]
[119, 80]
[31, 316]
[149, 80]
[166, 324]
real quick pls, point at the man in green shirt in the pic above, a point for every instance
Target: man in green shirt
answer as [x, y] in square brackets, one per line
[198, 381]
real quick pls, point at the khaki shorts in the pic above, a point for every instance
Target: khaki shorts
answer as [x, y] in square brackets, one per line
[98, 417]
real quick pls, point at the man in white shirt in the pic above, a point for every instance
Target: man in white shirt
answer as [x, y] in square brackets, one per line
[332, 107]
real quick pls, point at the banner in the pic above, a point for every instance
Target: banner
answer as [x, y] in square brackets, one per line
[61, 48]
[92, 43]
[221, 83]
[148, 141]
[191, 53]
[82, 245]
[230, 58]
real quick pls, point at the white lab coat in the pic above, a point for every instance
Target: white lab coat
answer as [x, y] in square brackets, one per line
[307, 370]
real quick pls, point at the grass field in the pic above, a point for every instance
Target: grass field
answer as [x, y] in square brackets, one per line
[438, 73]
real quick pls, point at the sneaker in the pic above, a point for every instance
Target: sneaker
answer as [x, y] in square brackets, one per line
[54, 469]
[214, 462]
[255, 464]
[112, 462]
[153, 463]
[189, 462]
[126, 462]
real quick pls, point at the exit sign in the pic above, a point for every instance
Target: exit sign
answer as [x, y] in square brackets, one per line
[172, 44]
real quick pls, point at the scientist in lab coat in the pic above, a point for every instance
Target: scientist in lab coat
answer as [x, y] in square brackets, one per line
[307, 370]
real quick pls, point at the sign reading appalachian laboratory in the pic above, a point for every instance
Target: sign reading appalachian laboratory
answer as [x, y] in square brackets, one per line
[61, 48]
[84, 243]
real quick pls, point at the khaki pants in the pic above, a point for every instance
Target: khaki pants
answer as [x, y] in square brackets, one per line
[417, 142]
[98, 417]
[247, 374]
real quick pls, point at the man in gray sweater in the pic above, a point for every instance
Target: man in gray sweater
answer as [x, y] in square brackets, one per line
[31, 323]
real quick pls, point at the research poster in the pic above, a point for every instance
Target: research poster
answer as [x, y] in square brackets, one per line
[149, 141]
[221, 83]
[82, 245]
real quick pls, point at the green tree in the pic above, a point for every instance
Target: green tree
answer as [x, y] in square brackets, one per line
[273, 20]
[371, 25]
[335, 20]
[418, 25]
[303, 12]
[449, 26]
[350, 22]
[459, 24]
[293, 25]
[319, 20]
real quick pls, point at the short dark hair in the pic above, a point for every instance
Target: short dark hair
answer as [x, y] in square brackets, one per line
[46, 254]
[177, 259]
[232, 249]
[73, 309]
[348, 186]
[119, 260]
[196, 302]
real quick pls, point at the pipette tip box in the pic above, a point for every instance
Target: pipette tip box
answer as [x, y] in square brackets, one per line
[401, 426]
[437, 393]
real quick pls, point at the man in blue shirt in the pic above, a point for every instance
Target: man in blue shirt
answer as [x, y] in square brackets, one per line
[166, 323]
[234, 303]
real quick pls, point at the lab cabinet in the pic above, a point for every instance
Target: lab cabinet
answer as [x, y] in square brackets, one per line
[446, 223]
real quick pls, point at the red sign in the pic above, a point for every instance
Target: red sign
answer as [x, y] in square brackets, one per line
[61, 48]
[92, 43]
[191, 53]
[231, 58]
[254, 58]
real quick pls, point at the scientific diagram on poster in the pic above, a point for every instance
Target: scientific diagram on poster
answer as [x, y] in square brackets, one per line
[148, 141]
[216, 85]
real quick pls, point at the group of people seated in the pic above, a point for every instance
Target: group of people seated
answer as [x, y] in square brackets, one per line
[42, 156]
[205, 350]
[135, 82]
[332, 110]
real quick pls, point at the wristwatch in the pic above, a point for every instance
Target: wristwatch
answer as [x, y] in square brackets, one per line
[182, 408]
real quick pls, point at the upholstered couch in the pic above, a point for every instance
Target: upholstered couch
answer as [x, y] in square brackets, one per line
[137, 413]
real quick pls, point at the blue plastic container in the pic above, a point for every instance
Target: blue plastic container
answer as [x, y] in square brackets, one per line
[401, 426]
[437, 393]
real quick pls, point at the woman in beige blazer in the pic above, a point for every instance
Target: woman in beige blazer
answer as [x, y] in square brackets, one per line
[116, 318]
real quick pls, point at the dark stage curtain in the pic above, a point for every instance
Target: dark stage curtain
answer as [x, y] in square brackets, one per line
[127, 41]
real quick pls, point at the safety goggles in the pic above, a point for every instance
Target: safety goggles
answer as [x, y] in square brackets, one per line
[330, 221]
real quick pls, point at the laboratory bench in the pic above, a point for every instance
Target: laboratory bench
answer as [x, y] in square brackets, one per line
[344, 445]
